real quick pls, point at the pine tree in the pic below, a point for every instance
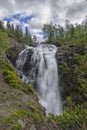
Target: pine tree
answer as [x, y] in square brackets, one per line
[8, 26]
[27, 37]
[17, 31]
[12, 29]
[34, 39]
[1, 25]
[72, 30]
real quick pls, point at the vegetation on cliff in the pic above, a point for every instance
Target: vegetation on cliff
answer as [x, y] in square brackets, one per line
[4, 43]
[19, 105]
[29, 113]
[72, 60]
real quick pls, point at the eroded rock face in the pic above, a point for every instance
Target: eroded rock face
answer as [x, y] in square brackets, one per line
[12, 54]
[66, 66]
[65, 52]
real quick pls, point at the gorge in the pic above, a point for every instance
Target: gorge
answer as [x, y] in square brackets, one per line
[38, 66]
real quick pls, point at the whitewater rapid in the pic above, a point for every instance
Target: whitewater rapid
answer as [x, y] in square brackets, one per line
[38, 66]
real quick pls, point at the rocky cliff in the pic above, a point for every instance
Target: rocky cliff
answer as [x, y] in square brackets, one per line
[28, 115]
[72, 71]
[64, 53]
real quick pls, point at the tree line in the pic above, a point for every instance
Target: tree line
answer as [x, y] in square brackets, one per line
[18, 33]
[53, 32]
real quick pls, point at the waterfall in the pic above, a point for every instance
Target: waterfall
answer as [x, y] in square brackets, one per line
[38, 66]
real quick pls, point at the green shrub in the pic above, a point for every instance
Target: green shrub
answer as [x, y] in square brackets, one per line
[74, 120]
[4, 43]
[12, 79]
[10, 75]
[17, 126]
[34, 112]
[29, 89]
[37, 112]
[5, 66]
[6, 120]
[74, 79]
[20, 113]
[71, 119]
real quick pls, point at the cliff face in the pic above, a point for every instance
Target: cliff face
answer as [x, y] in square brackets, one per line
[64, 53]
[68, 58]
[73, 72]
[27, 113]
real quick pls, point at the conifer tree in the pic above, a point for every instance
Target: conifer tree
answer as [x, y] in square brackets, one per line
[8, 26]
[1, 24]
[34, 39]
[27, 36]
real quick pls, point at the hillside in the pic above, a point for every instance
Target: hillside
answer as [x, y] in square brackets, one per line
[19, 107]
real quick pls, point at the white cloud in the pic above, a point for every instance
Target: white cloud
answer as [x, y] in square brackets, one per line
[44, 11]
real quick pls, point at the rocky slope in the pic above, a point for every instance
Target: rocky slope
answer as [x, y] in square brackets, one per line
[19, 106]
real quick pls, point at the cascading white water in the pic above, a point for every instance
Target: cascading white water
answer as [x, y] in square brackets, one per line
[41, 68]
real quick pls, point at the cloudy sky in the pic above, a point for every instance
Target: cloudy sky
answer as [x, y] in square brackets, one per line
[35, 13]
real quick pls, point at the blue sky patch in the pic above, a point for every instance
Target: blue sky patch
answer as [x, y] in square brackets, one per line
[7, 19]
[18, 17]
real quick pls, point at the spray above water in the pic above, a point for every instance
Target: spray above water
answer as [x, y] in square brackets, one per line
[38, 66]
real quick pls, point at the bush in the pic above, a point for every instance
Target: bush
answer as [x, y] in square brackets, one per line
[11, 79]
[20, 113]
[6, 120]
[37, 112]
[4, 43]
[74, 119]
[10, 75]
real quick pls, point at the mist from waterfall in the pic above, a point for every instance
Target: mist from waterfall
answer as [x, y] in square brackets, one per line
[38, 66]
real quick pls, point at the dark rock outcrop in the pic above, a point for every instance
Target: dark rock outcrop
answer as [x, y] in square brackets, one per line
[69, 69]
[14, 50]
[65, 52]
[12, 54]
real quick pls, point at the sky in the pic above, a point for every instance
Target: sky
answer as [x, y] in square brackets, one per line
[35, 13]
